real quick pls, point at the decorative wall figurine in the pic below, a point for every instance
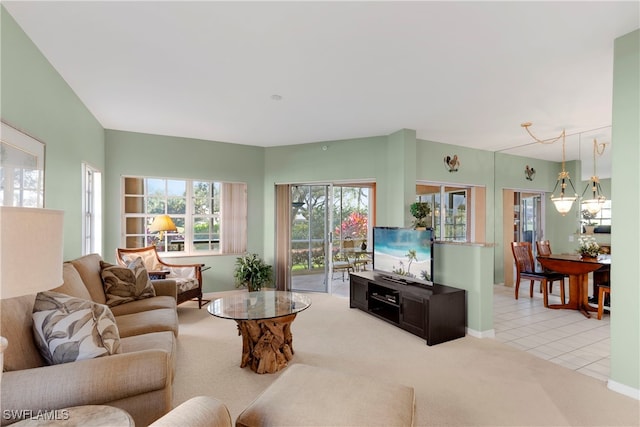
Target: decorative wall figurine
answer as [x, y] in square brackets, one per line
[452, 163]
[529, 172]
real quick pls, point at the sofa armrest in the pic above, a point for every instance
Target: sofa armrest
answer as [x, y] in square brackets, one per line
[199, 411]
[165, 287]
[85, 382]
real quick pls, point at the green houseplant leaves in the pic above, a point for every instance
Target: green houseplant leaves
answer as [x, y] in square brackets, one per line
[420, 210]
[251, 271]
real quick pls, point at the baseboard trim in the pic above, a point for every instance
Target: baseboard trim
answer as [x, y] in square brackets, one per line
[491, 333]
[623, 389]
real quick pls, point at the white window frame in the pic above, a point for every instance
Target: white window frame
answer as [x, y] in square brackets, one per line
[470, 203]
[20, 154]
[187, 248]
[91, 209]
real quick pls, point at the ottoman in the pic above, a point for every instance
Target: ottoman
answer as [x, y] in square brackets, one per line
[309, 396]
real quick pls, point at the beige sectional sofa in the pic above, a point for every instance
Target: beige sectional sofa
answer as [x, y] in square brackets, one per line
[138, 380]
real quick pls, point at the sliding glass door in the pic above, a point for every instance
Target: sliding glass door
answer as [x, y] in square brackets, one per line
[310, 239]
[323, 217]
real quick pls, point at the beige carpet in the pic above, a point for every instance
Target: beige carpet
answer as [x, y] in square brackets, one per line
[466, 382]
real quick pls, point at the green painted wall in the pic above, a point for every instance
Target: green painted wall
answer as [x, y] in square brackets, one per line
[476, 168]
[476, 278]
[625, 230]
[136, 154]
[401, 164]
[35, 99]
[324, 162]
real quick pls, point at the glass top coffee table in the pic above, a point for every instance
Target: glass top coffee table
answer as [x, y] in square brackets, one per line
[264, 321]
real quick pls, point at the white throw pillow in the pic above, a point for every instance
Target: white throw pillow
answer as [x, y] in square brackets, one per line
[67, 329]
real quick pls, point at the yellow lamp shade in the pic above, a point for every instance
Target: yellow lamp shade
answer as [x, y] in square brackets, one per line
[162, 223]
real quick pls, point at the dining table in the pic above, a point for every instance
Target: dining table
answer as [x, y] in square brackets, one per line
[578, 269]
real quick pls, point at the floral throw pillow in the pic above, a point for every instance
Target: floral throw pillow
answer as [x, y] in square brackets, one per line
[67, 328]
[126, 284]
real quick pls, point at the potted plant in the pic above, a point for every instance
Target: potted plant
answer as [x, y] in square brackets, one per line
[420, 211]
[588, 248]
[251, 271]
[589, 225]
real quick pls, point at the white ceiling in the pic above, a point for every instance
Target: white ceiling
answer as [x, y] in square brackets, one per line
[463, 73]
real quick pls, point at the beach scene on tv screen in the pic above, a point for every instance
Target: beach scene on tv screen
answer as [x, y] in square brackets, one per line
[403, 252]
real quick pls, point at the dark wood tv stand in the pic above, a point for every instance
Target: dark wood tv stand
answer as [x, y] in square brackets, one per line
[436, 313]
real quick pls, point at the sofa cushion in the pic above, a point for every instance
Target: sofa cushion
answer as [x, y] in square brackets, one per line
[144, 305]
[88, 267]
[126, 284]
[72, 283]
[17, 328]
[185, 284]
[67, 329]
[152, 341]
[144, 322]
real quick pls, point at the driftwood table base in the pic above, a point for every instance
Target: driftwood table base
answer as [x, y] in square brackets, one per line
[267, 345]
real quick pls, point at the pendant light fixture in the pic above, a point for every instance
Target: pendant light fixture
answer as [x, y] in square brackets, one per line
[562, 202]
[594, 204]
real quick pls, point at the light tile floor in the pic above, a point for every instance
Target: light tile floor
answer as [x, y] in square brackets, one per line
[564, 337]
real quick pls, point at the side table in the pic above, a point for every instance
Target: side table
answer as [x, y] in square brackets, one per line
[158, 274]
[76, 416]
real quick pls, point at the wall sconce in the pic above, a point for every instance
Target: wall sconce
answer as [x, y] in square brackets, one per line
[529, 173]
[452, 163]
[562, 202]
[594, 204]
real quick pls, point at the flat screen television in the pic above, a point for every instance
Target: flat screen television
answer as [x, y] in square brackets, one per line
[403, 254]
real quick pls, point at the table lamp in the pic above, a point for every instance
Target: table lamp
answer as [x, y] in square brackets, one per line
[162, 223]
[30, 253]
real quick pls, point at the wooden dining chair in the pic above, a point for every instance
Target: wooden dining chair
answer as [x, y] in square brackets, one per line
[525, 268]
[544, 249]
[604, 289]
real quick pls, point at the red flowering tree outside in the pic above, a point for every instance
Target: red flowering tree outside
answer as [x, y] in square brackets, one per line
[354, 226]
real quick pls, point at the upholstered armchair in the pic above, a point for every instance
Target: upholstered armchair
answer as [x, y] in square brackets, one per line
[188, 277]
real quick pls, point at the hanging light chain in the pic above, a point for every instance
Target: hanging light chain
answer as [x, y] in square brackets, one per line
[541, 141]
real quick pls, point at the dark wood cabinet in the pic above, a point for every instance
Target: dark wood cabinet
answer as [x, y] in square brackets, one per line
[436, 313]
[412, 316]
[358, 291]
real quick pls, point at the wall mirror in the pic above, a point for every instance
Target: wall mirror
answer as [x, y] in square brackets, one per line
[21, 169]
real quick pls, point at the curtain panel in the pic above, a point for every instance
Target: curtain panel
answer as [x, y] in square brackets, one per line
[283, 237]
[233, 212]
